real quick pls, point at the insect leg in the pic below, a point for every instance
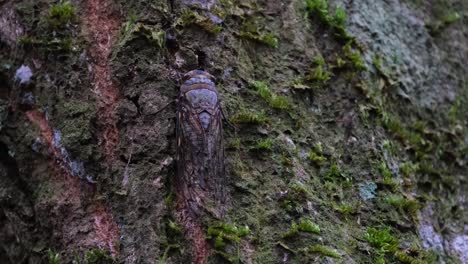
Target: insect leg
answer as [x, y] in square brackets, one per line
[164, 107]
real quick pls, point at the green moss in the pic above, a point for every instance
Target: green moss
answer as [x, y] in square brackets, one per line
[298, 83]
[316, 155]
[266, 38]
[340, 17]
[52, 33]
[387, 176]
[190, 17]
[335, 175]
[227, 231]
[280, 102]
[228, 257]
[320, 75]
[264, 144]
[346, 208]
[133, 29]
[168, 248]
[223, 234]
[319, 7]
[324, 251]
[318, 159]
[54, 257]
[250, 30]
[75, 120]
[337, 22]
[304, 225]
[410, 207]
[57, 44]
[95, 256]
[378, 64]
[435, 27]
[414, 255]
[274, 100]
[412, 138]
[382, 240]
[459, 108]
[354, 57]
[234, 143]
[61, 15]
[409, 168]
[390, 146]
[296, 196]
[249, 117]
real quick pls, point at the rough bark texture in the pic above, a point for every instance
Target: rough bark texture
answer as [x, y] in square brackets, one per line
[351, 143]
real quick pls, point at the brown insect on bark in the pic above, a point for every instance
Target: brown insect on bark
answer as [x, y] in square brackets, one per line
[200, 181]
[200, 151]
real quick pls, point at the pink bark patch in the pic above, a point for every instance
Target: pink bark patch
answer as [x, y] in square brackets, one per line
[193, 233]
[70, 200]
[106, 229]
[102, 28]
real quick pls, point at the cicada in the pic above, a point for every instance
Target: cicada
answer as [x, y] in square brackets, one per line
[201, 179]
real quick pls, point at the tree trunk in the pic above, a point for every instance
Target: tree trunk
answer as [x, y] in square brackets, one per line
[345, 141]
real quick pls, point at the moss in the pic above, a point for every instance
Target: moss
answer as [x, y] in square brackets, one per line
[387, 176]
[323, 251]
[227, 232]
[264, 144]
[298, 83]
[63, 44]
[133, 29]
[234, 143]
[168, 248]
[382, 240]
[335, 175]
[435, 27]
[296, 196]
[54, 257]
[317, 159]
[249, 117]
[223, 234]
[409, 206]
[53, 33]
[316, 155]
[304, 225]
[378, 64]
[346, 208]
[228, 257]
[190, 17]
[390, 146]
[354, 57]
[61, 15]
[75, 120]
[96, 256]
[319, 7]
[337, 22]
[266, 38]
[250, 30]
[274, 100]
[409, 168]
[412, 138]
[319, 75]
[175, 227]
[459, 108]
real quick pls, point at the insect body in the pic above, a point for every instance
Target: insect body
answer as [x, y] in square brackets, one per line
[200, 152]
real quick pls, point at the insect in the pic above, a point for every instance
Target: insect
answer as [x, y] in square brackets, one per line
[200, 152]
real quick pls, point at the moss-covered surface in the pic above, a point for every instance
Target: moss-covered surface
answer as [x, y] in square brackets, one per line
[330, 161]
